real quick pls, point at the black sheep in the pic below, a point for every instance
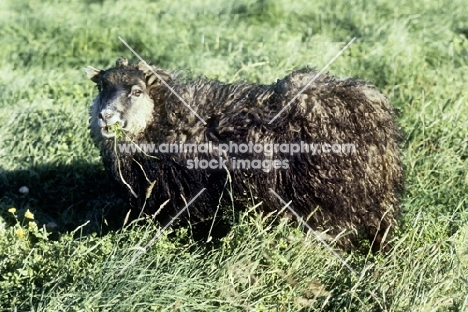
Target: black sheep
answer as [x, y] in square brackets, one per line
[333, 189]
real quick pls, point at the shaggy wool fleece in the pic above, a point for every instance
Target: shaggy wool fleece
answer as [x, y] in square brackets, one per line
[333, 190]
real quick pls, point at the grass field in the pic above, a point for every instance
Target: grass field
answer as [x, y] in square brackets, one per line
[58, 251]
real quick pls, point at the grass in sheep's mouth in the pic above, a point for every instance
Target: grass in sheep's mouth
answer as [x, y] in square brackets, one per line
[117, 129]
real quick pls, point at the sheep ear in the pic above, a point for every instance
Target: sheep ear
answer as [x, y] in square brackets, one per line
[151, 78]
[93, 73]
[121, 62]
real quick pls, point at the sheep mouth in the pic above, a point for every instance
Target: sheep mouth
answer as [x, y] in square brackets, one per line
[112, 130]
[107, 133]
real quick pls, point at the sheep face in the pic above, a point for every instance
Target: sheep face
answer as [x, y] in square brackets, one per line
[123, 98]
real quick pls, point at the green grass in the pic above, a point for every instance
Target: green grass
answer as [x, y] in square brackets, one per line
[415, 51]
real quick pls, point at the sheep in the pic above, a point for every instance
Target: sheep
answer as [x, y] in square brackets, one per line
[354, 193]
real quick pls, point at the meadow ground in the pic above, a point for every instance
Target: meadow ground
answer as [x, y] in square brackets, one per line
[415, 51]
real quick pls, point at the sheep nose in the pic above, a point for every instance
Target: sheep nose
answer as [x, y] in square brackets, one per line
[105, 115]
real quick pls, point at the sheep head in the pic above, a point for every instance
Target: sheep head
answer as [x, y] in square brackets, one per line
[124, 98]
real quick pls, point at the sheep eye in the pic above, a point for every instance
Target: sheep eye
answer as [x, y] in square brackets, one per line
[136, 93]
